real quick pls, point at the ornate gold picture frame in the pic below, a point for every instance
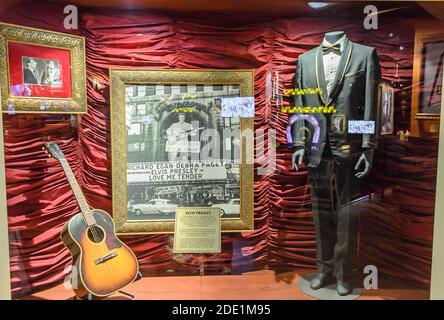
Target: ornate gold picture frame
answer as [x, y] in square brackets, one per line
[41, 71]
[161, 122]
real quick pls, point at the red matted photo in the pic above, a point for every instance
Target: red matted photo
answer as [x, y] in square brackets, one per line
[38, 71]
[42, 71]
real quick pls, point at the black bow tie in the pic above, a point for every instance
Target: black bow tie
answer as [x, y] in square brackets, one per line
[336, 47]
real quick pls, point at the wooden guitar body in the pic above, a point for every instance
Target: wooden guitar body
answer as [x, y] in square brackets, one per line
[102, 264]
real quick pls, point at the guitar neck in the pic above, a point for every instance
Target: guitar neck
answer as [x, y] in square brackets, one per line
[84, 207]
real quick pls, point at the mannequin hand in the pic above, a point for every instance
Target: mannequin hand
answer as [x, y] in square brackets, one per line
[297, 158]
[362, 161]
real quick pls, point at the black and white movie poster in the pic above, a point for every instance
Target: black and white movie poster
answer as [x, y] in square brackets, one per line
[181, 151]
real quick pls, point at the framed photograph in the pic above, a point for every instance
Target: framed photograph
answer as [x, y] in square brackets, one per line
[387, 109]
[431, 76]
[172, 147]
[41, 71]
[338, 123]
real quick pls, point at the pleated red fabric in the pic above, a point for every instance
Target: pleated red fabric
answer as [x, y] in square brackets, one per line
[396, 226]
[39, 198]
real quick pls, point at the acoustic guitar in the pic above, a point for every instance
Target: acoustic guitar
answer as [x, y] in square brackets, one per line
[102, 264]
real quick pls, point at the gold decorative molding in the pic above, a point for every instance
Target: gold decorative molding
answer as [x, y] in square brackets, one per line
[77, 103]
[119, 78]
[427, 116]
[432, 37]
[5, 273]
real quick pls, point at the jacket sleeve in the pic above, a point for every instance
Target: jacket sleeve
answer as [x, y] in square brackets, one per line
[371, 98]
[297, 127]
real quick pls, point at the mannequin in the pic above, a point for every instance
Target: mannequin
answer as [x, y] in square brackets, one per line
[334, 36]
[348, 75]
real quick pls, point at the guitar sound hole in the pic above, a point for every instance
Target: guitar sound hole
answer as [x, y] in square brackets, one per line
[96, 234]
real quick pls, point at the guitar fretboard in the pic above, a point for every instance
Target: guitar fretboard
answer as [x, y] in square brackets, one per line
[84, 207]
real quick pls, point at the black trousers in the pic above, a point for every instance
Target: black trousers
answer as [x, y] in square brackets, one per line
[331, 187]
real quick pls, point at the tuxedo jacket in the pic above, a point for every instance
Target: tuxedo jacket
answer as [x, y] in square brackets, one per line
[29, 77]
[354, 96]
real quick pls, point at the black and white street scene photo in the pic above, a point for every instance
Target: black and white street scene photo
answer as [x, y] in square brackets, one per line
[181, 151]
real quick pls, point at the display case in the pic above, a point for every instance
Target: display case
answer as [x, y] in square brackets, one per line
[213, 153]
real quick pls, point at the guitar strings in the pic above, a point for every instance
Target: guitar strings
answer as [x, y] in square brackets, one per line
[100, 251]
[92, 227]
[96, 236]
[112, 270]
[109, 266]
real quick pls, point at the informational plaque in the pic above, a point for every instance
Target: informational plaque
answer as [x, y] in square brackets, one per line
[197, 230]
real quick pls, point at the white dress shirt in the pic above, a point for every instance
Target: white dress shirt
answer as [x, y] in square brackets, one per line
[331, 59]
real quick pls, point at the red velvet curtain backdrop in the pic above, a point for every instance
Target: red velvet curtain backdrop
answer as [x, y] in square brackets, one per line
[39, 199]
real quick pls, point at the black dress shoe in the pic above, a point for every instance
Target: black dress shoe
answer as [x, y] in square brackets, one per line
[344, 288]
[319, 281]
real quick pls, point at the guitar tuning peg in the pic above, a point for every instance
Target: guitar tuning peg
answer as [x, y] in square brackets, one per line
[49, 156]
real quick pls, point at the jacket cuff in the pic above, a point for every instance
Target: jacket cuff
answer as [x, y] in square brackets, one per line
[298, 144]
[369, 145]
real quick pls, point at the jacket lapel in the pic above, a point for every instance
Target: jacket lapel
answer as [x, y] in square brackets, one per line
[320, 77]
[342, 68]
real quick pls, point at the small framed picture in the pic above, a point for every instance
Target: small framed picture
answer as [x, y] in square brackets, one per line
[233, 107]
[386, 109]
[428, 96]
[338, 123]
[42, 71]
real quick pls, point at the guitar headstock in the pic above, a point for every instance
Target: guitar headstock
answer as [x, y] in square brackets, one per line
[54, 150]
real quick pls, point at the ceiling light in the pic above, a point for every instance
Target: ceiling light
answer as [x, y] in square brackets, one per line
[318, 5]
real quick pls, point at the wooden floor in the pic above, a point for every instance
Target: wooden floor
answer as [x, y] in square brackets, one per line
[264, 285]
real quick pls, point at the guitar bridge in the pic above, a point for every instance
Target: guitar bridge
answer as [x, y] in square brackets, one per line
[105, 258]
